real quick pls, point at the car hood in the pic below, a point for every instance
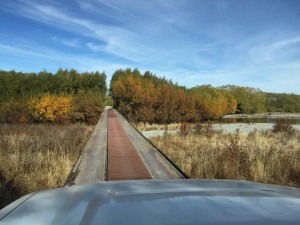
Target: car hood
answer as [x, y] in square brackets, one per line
[158, 202]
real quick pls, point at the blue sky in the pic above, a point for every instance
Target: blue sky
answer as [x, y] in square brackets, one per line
[252, 43]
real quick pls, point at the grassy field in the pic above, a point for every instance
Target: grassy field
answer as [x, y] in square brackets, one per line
[37, 156]
[266, 157]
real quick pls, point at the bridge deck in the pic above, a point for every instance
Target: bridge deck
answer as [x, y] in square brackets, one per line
[117, 151]
[124, 163]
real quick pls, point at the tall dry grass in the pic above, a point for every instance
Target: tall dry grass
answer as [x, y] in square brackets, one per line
[147, 126]
[37, 156]
[261, 157]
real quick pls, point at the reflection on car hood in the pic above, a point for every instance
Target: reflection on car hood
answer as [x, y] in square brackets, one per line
[158, 202]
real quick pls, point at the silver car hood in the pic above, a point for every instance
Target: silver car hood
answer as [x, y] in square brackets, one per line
[158, 202]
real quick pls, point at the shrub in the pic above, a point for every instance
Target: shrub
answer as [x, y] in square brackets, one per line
[88, 108]
[184, 129]
[283, 126]
[237, 158]
[51, 108]
[205, 129]
[14, 112]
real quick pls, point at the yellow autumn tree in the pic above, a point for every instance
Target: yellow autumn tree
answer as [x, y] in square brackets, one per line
[50, 107]
[214, 102]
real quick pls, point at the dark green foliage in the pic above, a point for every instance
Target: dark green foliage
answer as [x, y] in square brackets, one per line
[108, 101]
[88, 108]
[283, 102]
[14, 112]
[19, 85]
[249, 100]
[17, 88]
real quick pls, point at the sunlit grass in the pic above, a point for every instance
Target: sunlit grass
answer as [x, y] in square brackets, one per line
[261, 157]
[36, 157]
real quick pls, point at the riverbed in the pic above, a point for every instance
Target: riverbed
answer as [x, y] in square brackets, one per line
[224, 127]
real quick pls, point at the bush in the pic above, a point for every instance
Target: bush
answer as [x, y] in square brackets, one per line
[283, 126]
[14, 112]
[204, 129]
[184, 129]
[88, 108]
[61, 109]
[50, 108]
[237, 158]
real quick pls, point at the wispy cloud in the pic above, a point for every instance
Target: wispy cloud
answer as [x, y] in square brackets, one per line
[38, 52]
[68, 42]
[127, 43]
[217, 42]
[118, 40]
[18, 51]
[46, 56]
[94, 47]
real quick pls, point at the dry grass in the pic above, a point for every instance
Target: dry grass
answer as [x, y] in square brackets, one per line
[37, 157]
[262, 157]
[147, 126]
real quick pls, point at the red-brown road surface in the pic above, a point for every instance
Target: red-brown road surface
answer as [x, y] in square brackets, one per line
[124, 163]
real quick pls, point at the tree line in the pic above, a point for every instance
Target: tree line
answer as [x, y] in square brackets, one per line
[148, 98]
[252, 100]
[66, 96]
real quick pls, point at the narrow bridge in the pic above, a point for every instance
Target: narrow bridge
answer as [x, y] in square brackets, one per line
[117, 151]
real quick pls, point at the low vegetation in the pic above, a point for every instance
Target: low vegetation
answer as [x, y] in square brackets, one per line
[38, 156]
[283, 126]
[271, 157]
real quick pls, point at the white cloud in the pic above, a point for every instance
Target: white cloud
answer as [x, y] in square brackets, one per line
[276, 50]
[119, 41]
[94, 47]
[184, 40]
[68, 42]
